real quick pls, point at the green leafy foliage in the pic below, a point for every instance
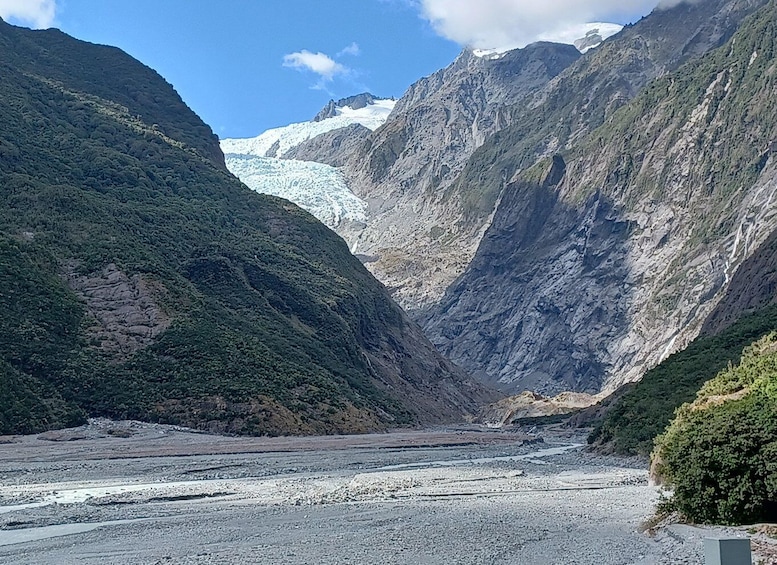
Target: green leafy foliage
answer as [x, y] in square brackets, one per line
[39, 333]
[271, 319]
[631, 426]
[719, 455]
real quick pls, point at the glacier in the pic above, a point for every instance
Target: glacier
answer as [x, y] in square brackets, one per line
[371, 116]
[318, 188]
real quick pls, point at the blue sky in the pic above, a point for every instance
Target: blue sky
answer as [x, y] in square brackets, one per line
[248, 65]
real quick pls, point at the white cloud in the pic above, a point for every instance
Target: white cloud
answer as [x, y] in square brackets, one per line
[666, 4]
[352, 49]
[508, 24]
[318, 63]
[35, 13]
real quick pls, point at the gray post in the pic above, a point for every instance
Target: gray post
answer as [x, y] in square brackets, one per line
[727, 551]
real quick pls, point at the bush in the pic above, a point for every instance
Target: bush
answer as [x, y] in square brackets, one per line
[720, 452]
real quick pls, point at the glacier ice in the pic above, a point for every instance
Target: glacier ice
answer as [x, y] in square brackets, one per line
[371, 116]
[318, 188]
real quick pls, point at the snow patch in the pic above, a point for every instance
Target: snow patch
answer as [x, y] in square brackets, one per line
[491, 54]
[574, 33]
[568, 35]
[281, 140]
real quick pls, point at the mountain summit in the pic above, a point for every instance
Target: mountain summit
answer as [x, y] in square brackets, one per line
[356, 102]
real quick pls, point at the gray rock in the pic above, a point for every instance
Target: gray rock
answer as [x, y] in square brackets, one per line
[586, 283]
[405, 169]
[331, 148]
[354, 102]
[126, 314]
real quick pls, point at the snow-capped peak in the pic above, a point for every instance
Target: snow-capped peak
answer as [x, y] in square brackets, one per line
[371, 116]
[277, 141]
[316, 187]
[583, 36]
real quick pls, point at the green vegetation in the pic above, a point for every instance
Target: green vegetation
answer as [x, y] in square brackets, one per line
[719, 455]
[645, 411]
[711, 114]
[39, 334]
[272, 322]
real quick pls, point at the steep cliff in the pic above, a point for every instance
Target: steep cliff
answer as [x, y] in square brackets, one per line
[592, 276]
[332, 148]
[747, 311]
[753, 287]
[404, 169]
[140, 279]
[434, 173]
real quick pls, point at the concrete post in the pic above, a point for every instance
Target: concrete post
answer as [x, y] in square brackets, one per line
[727, 551]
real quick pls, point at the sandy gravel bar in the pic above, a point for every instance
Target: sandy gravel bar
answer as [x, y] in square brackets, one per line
[131, 493]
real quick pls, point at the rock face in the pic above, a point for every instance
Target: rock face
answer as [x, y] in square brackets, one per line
[532, 405]
[332, 148]
[753, 287]
[416, 232]
[126, 311]
[356, 102]
[428, 206]
[599, 265]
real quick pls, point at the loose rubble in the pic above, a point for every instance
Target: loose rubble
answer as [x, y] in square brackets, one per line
[125, 492]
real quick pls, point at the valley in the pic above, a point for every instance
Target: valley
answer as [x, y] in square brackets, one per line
[414, 329]
[125, 492]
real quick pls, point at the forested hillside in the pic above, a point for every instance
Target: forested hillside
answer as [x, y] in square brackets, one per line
[139, 279]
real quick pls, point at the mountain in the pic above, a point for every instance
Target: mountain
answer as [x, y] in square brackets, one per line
[404, 170]
[746, 312]
[355, 103]
[298, 162]
[618, 224]
[434, 173]
[139, 279]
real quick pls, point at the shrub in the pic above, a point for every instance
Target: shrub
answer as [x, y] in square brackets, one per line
[720, 452]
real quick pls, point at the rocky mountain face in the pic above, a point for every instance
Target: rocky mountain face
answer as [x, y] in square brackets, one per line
[356, 102]
[332, 148]
[139, 279]
[404, 170]
[628, 421]
[752, 288]
[601, 262]
[432, 176]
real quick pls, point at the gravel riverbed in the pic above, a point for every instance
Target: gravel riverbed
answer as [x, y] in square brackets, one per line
[131, 493]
